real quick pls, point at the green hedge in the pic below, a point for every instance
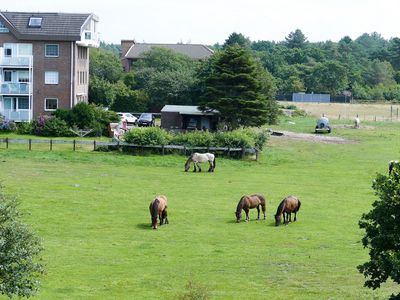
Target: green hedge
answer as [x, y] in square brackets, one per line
[241, 138]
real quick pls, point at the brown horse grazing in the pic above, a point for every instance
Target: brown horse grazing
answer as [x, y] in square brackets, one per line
[248, 202]
[288, 205]
[158, 208]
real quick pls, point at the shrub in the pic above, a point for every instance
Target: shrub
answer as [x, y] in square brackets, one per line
[261, 139]
[82, 115]
[194, 138]
[195, 291]
[235, 139]
[7, 126]
[25, 128]
[55, 127]
[147, 136]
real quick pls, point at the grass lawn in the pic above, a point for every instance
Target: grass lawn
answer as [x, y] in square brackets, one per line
[91, 210]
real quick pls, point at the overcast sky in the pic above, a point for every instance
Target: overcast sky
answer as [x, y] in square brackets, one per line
[212, 21]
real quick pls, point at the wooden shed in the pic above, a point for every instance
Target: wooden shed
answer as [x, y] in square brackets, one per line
[185, 117]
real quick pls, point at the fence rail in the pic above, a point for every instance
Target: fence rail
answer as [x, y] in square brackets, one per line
[119, 144]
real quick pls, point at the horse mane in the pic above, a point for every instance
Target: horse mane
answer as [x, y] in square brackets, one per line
[281, 207]
[240, 204]
[154, 208]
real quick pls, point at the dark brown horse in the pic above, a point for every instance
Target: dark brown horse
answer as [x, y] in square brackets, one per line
[287, 206]
[248, 202]
[158, 208]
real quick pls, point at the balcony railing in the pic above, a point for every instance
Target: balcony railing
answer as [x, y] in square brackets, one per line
[23, 61]
[16, 115]
[15, 88]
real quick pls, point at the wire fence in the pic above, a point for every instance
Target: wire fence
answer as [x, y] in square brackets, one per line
[120, 145]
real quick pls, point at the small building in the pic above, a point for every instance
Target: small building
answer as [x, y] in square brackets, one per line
[185, 117]
[132, 51]
[303, 97]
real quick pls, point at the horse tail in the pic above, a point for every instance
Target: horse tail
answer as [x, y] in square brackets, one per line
[154, 209]
[214, 162]
[298, 207]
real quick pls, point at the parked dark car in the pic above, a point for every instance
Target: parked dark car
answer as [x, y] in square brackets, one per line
[146, 119]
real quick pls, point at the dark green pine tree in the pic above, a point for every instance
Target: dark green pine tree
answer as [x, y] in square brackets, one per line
[234, 87]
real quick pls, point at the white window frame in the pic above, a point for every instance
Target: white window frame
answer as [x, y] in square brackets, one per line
[45, 104]
[49, 78]
[58, 50]
[35, 22]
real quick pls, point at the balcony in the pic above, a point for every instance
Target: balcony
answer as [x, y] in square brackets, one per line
[15, 89]
[19, 61]
[89, 39]
[17, 115]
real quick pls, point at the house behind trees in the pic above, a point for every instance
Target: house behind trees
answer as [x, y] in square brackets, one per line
[132, 51]
[44, 61]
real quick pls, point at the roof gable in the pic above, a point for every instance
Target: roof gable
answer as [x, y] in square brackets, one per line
[194, 51]
[54, 26]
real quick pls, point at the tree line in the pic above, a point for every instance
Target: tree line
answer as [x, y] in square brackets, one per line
[367, 68]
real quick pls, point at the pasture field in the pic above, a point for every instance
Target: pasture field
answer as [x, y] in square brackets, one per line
[91, 210]
[366, 111]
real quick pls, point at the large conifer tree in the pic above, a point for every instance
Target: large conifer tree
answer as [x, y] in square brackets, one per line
[235, 87]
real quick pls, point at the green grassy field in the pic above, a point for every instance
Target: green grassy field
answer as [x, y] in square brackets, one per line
[91, 210]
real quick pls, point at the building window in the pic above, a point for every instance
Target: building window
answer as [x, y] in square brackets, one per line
[51, 77]
[3, 28]
[7, 76]
[51, 50]
[50, 104]
[7, 52]
[23, 103]
[88, 35]
[23, 76]
[35, 22]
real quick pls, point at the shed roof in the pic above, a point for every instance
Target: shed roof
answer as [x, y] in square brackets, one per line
[186, 110]
[54, 26]
[194, 51]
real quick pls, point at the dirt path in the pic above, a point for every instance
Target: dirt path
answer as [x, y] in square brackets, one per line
[317, 138]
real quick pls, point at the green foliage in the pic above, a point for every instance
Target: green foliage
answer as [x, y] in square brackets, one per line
[147, 136]
[382, 232]
[82, 115]
[237, 39]
[20, 267]
[296, 39]
[102, 92]
[299, 113]
[234, 88]
[241, 138]
[193, 138]
[105, 65]
[54, 127]
[166, 77]
[26, 127]
[7, 126]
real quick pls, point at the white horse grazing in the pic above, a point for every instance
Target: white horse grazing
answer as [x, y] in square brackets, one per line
[197, 158]
[391, 165]
[357, 122]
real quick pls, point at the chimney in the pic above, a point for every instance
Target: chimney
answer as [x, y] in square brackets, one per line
[125, 46]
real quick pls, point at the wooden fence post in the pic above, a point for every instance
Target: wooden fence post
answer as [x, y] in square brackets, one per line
[6, 142]
[74, 145]
[30, 144]
[162, 150]
[94, 145]
[51, 144]
[257, 154]
[243, 152]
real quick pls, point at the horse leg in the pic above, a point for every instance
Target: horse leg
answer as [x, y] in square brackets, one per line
[263, 209]
[210, 168]
[247, 214]
[290, 217]
[258, 212]
[194, 166]
[199, 166]
[161, 218]
[284, 218]
[295, 213]
[165, 216]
